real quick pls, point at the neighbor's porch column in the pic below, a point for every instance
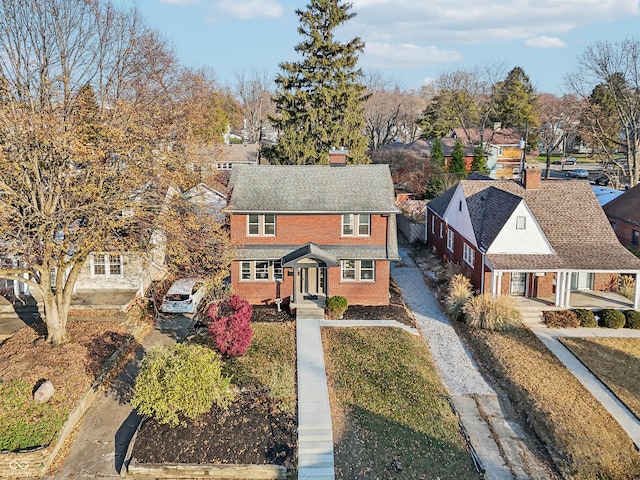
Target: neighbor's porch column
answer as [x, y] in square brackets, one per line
[559, 285]
[496, 283]
[636, 293]
[567, 290]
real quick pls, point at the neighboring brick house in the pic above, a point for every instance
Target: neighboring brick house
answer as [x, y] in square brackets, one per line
[624, 215]
[305, 233]
[540, 239]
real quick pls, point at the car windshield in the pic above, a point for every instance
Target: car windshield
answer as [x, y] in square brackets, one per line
[177, 297]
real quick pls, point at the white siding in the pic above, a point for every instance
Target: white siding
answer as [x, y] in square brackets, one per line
[457, 216]
[530, 240]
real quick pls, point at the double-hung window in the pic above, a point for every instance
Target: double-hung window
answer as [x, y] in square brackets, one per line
[261, 224]
[106, 265]
[356, 224]
[357, 270]
[468, 254]
[521, 222]
[450, 239]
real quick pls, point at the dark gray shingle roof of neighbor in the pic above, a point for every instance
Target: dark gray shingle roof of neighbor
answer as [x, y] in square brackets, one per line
[311, 189]
[626, 207]
[569, 215]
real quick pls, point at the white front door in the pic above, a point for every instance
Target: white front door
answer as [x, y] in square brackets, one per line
[518, 283]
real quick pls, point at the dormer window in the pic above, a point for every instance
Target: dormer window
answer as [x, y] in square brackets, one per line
[521, 223]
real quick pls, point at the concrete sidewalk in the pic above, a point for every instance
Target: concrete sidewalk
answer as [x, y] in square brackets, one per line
[100, 444]
[549, 336]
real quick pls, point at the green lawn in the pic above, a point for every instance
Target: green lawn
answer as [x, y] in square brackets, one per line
[388, 405]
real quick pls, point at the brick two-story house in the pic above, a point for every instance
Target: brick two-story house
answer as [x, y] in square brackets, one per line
[624, 215]
[540, 239]
[305, 233]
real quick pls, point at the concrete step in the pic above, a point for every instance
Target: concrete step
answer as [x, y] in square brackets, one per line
[310, 313]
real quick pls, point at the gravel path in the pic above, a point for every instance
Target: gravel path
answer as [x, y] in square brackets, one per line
[458, 371]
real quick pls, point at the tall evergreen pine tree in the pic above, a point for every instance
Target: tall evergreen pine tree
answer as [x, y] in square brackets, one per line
[458, 164]
[479, 163]
[319, 101]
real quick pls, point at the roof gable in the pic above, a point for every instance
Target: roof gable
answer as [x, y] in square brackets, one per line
[626, 206]
[521, 234]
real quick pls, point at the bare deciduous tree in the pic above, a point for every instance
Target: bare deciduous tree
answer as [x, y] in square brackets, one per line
[255, 89]
[389, 112]
[86, 129]
[608, 82]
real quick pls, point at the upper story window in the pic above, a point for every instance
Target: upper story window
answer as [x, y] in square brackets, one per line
[106, 265]
[261, 224]
[354, 224]
[634, 237]
[468, 254]
[521, 223]
[441, 229]
[433, 224]
[450, 239]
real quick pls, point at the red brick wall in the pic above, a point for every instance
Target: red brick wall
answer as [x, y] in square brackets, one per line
[362, 293]
[604, 282]
[624, 231]
[440, 244]
[301, 229]
[545, 286]
[356, 293]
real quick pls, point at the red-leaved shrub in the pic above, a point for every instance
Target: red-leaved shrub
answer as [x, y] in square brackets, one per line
[230, 326]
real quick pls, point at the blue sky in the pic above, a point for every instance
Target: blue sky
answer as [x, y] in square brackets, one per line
[410, 42]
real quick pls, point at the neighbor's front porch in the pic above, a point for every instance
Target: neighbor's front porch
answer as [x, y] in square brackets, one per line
[564, 289]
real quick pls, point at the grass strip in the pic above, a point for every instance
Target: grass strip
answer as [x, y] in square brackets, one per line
[389, 407]
[615, 361]
[583, 439]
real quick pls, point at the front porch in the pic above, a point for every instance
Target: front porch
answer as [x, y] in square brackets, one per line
[589, 299]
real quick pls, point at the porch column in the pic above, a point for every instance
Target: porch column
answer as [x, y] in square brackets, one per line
[636, 293]
[496, 283]
[295, 284]
[559, 282]
[567, 290]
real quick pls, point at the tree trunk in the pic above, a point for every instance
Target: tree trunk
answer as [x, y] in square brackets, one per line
[55, 320]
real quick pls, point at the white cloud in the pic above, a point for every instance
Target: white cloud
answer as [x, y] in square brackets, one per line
[405, 55]
[545, 42]
[471, 22]
[247, 9]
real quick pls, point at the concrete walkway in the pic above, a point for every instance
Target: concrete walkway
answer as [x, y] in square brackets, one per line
[497, 443]
[100, 445]
[549, 336]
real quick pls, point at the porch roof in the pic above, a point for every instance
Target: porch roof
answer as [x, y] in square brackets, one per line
[312, 251]
[277, 252]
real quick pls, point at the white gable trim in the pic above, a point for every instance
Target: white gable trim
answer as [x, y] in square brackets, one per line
[512, 240]
[457, 217]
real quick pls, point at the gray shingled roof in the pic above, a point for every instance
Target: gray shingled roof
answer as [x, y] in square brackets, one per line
[311, 189]
[341, 252]
[568, 213]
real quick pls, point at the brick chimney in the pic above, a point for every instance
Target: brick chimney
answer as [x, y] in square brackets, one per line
[532, 177]
[338, 157]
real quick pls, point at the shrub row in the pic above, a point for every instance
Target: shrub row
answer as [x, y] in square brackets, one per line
[581, 317]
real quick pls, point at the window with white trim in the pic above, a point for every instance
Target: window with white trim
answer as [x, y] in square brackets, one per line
[263, 224]
[261, 270]
[354, 224]
[468, 255]
[106, 265]
[521, 223]
[433, 224]
[357, 270]
[450, 239]
[441, 229]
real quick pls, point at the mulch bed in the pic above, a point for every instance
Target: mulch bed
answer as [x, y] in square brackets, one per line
[396, 310]
[252, 431]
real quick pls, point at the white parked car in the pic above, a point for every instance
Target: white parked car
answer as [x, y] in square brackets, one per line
[183, 296]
